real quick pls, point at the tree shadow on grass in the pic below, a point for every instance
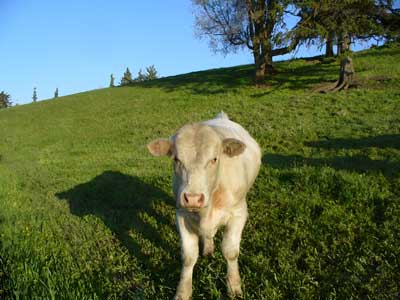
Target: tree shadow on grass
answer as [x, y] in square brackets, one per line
[208, 82]
[381, 141]
[304, 77]
[357, 163]
[217, 81]
[128, 205]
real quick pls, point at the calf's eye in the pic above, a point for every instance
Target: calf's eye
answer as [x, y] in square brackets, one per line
[213, 161]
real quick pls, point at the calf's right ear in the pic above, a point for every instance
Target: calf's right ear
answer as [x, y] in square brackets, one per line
[160, 147]
[233, 147]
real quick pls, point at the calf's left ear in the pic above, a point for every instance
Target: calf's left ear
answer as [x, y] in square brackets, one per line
[233, 147]
[160, 147]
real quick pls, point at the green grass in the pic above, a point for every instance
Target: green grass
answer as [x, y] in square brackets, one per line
[87, 213]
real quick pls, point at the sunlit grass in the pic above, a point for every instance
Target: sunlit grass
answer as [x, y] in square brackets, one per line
[87, 213]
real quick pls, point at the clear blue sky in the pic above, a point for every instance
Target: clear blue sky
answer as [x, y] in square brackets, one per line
[75, 45]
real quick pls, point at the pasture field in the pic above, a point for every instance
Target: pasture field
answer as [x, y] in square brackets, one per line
[87, 213]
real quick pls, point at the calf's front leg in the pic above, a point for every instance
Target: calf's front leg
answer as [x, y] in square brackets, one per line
[230, 250]
[189, 253]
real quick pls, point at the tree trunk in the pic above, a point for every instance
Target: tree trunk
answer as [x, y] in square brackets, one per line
[347, 42]
[343, 43]
[346, 77]
[338, 49]
[347, 73]
[269, 67]
[260, 32]
[329, 44]
[339, 44]
[263, 63]
[260, 65]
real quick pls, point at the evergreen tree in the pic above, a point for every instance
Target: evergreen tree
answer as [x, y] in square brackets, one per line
[343, 21]
[127, 78]
[5, 100]
[151, 73]
[34, 96]
[390, 20]
[56, 93]
[141, 77]
[112, 78]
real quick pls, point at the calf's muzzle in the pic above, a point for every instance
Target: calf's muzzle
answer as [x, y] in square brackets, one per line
[191, 200]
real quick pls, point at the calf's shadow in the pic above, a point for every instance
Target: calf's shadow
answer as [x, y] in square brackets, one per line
[128, 204]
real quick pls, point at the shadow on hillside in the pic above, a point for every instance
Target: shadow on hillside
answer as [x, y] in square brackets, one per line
[304, 77]
[126, 204]
[208, 82]
[358, 163]
[381, 141]
[217, 81]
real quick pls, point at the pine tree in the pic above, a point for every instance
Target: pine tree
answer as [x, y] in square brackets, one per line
[140, 77]
[343, 21]
[112, 78]
[151, 73]
[127, 78]
[56, 93]
[34, 96]
[5, 100]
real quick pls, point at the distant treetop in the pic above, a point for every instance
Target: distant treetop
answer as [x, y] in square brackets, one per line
[127, 78]
[34, 96]
[112, 78]
[150, 74]
[5, 100]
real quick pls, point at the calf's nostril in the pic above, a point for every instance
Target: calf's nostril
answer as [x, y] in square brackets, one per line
[201, 199]
[185, 197]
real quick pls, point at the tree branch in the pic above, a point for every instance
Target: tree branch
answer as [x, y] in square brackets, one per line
[287, 49]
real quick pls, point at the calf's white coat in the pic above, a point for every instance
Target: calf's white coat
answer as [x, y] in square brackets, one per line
[220, 160]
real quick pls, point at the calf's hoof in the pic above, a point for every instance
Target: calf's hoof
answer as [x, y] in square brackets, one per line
[234, 289]
[184, 292]
[182, 297]
[235, 293]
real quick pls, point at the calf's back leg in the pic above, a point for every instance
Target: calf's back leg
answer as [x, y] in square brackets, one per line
[208, 246]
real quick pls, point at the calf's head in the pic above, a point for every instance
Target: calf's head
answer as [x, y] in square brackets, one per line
[197, 151]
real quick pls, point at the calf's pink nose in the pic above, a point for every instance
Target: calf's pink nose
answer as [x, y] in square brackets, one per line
[193, 200]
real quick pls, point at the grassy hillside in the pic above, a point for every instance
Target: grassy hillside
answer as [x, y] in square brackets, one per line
[87, 213]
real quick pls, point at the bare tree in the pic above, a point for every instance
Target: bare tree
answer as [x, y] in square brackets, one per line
[254, 24]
